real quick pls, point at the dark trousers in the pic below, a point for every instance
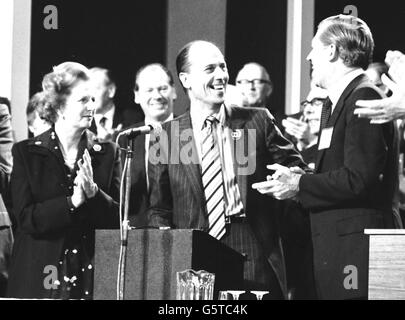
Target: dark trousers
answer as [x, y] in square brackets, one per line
[295, 232]
[258, 274]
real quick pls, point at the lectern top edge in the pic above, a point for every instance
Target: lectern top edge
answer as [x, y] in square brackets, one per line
[384, 231]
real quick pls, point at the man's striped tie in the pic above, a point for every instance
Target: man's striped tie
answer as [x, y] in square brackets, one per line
[212, 180]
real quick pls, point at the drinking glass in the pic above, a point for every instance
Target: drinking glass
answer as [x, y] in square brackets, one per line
[195, 285]
[235, 294]
[224, 295]
[259, 294]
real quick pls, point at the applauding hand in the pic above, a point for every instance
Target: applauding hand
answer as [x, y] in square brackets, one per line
[85, 176]
[387, 109]
[300, 130]
[283, 184]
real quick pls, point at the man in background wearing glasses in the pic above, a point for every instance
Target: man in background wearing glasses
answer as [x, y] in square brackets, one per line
[303, 128]
[254, 84]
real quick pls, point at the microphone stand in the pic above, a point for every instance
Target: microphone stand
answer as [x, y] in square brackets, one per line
[125, 221]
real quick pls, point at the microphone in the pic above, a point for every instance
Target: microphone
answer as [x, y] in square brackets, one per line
[133, 132]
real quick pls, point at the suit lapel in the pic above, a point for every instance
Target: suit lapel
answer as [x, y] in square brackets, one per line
[46, 144]
[117, 119]
[94, 148]
[45, 140]
[336, 114]
[139, 157]
[193, 169]
[237, 123]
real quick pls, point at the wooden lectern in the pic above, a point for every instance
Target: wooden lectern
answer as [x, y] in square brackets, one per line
[153, 258]
[386, 264]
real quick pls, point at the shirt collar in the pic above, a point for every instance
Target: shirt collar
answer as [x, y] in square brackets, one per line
[198, 119]
[336, 90]
[150, 121]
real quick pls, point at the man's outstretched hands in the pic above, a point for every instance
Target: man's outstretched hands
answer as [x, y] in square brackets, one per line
[282, 184]
[384, 110]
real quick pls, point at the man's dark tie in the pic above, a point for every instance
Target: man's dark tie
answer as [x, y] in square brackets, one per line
[326, 112]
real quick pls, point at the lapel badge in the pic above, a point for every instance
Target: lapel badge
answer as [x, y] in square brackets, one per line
[38, 142]
[97, 148]
[236, 134]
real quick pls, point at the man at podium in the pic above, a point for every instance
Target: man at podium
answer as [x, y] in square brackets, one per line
[206, 162]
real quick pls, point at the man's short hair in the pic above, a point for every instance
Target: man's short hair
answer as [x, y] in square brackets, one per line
[107, 75]
[151, 65]
[182, 59]
[352, 38]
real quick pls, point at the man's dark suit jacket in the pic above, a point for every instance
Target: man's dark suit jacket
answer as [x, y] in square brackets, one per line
[352, 190]
[177, 195]
[139, 199]
[40, 187]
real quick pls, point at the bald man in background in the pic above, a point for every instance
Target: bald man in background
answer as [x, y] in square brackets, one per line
[254, 84]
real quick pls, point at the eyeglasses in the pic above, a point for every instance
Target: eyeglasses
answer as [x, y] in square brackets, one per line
[255, 82]
[314, 102]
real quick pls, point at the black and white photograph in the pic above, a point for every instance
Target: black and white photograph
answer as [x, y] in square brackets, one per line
[205, 150]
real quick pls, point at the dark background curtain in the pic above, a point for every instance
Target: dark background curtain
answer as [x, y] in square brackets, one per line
[118, 35]
[124, 35]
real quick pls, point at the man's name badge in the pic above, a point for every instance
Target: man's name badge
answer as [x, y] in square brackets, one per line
[236, 134]
[326, 138]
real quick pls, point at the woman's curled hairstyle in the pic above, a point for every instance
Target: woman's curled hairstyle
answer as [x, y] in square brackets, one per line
[58, 84]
